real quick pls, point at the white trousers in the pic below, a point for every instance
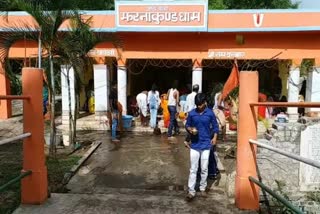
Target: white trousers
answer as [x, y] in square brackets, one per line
[195, 156]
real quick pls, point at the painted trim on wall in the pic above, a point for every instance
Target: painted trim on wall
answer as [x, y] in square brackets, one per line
[264, 11]
[265, 29]
[93, 29]
[162, 29]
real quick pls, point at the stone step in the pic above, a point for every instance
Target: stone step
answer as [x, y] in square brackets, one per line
[172, 190]
[131, 202]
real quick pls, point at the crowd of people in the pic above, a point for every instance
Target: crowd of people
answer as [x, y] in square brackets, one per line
[201, 121]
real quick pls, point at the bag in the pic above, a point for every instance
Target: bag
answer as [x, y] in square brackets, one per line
[153, 101]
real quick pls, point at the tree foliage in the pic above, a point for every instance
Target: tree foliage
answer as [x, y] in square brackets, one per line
[109, 4]
[7, 5]
[252, 4]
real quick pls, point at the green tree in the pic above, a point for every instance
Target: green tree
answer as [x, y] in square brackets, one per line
[73, 53]
[217, 4]
[67, 5]
[252, 4]
[70, 46]
[47, 35]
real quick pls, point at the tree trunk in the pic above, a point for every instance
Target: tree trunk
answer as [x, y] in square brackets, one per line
[71, 140]
[53, 96]
[75, 116]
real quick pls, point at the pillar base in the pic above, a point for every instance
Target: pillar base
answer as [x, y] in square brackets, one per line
[34, 188]
[247, 197]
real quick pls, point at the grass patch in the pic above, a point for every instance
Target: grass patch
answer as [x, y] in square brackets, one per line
[11, 165]
[56, 170]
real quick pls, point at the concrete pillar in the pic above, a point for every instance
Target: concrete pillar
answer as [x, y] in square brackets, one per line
[197, 73]
[5, 105]
[293, 90]
[34, 188]
[101, 88]
[122, 85]
[67, 72]
[247, 193]
[313, 90]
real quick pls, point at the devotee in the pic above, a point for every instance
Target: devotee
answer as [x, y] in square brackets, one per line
[218, 100]
[203, 127]
[173, 101]
[165, 110]
[143, 106]
[153, 103]
[114, 113]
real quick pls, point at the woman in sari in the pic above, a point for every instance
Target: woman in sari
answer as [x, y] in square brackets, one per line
[164, 106]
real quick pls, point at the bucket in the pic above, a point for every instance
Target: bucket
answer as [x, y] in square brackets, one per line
[127, 121]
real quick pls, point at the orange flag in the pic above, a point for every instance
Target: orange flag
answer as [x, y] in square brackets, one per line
[232, 82]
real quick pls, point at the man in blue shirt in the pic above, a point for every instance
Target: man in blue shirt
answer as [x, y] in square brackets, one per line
[203, 127]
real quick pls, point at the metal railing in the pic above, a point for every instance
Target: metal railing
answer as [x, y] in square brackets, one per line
[275, 195]
[14, 180]
[287, 154]
[14, 97]
[282, 152]
[12, 139]
[287, 104]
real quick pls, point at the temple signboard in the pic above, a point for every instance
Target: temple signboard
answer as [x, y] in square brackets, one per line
[224, 54]
[107, 52]
[161, 16]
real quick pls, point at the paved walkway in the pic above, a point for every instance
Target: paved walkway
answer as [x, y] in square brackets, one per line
[142, 174]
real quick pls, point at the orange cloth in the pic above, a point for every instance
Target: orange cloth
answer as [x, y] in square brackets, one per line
[262, 109]
[166, 114]
[261, 112]
[232, 82]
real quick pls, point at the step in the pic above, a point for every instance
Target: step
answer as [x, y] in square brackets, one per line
[115, 202]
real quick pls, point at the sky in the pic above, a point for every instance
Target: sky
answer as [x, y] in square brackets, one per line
[309, 4]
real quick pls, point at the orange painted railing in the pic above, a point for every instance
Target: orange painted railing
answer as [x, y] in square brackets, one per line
[247, 191]
[287, 104]
[13, 97]
[34, 187]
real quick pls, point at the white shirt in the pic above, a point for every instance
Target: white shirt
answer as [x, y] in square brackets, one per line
[190, 103]
[171, 100]
[142, 103]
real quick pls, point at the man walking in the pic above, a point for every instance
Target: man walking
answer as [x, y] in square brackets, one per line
[153, 102]
[203, 127]
[173, 101]
[114, 113]
[142, 102]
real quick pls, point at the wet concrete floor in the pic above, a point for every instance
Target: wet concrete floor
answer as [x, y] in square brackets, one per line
[141, 174]
[138, 162]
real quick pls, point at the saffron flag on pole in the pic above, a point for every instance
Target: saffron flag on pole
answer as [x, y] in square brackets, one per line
[232, 82]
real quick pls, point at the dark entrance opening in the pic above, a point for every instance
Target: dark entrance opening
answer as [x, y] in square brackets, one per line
[142, 73]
